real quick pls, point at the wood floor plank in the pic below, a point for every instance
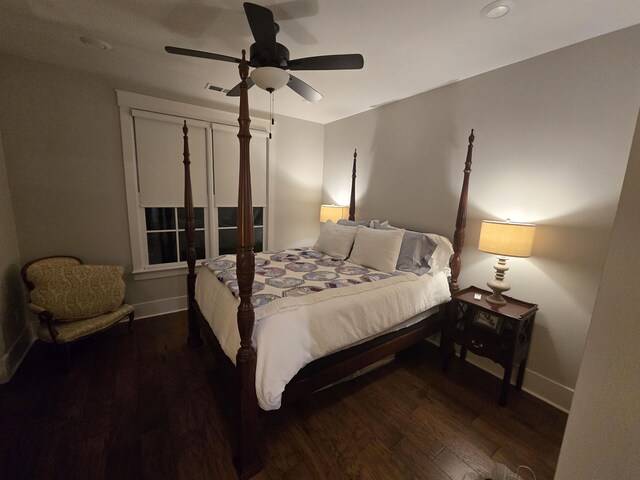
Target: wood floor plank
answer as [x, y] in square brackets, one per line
[123, 447]
[87, 457]
[395, 413]
[300, 471]
[471, 447]
[388, 433]
[281, 451]
[417, 463]
[451, 464]
[321, 462]
[519, 440]
[157, 452]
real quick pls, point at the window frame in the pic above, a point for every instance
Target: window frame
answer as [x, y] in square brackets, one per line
[195, 115]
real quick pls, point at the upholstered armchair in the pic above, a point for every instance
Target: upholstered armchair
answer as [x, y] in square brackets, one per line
[73, 300]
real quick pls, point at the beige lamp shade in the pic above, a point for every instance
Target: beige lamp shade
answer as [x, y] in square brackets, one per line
[507, 239]
[333, 213]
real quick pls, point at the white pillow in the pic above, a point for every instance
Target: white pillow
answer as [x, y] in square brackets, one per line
[439, 258]
[439, 261]
[377, 249]
[335, 240]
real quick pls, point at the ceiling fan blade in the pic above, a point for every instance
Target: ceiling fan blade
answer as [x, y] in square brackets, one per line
[348, 61]
[235, 91]
[262, 26]
[303, 89]
[200, 54]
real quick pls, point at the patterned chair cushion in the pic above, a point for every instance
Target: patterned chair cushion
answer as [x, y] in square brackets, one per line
[70, 331]
[72, 292]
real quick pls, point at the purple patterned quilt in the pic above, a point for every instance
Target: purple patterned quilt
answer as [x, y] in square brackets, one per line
[296, 272]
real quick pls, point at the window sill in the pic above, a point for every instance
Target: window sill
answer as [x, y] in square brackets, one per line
[161, 272]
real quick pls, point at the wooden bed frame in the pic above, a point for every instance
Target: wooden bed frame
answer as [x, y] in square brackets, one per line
[321, 372]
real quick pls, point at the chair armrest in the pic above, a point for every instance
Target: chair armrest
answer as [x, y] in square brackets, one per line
[37, 309]
[47, 318]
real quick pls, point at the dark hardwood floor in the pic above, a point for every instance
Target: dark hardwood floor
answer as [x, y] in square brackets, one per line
[147, 406]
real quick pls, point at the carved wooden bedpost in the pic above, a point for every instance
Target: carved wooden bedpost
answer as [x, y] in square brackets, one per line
[194, 339]
[248, 462]
[447, 346]
[461, 221]
[352, 201]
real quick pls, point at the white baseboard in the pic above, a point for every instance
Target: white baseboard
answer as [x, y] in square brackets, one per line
[160, 307]
[12, 359]
[537, 385]
[560, 396]
[547, 390]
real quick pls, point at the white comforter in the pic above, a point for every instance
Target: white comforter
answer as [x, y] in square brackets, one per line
[288, 340]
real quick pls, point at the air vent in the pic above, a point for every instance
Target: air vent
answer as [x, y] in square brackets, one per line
[216, 88]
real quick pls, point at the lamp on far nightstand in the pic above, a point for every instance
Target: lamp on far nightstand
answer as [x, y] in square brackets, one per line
[333, 213]
[504, 239]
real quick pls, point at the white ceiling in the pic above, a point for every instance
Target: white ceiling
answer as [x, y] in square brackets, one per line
[409, 46]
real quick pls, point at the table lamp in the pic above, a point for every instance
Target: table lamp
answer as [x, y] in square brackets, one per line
[504, 239]
[333, 212]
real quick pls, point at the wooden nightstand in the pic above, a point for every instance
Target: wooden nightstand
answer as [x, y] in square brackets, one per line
[502, 334]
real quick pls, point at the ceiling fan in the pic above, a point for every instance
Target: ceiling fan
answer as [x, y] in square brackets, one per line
[270, 59]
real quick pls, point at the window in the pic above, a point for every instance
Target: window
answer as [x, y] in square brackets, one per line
[228, 230]
[166, 236]
[152, 145]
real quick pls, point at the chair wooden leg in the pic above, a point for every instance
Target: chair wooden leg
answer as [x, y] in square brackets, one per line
[67, 350]
[131, 318]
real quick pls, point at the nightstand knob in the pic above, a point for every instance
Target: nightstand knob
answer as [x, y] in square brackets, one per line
[477, 344]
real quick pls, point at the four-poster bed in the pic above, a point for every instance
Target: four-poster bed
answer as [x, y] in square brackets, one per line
[324, 370]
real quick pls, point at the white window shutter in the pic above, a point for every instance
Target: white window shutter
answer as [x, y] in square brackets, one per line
[259, 146]
[226, 161]
[159, 149]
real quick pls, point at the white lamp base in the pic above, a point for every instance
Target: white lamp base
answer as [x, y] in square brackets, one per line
[498, 285]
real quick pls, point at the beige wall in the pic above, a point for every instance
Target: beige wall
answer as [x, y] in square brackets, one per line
[14, 331]
[299, 154]
[61, 132]
[603, 433]
[552, 141]
[63, 149]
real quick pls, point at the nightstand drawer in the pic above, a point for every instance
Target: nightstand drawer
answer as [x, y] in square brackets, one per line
[483, 344]
[478, 346]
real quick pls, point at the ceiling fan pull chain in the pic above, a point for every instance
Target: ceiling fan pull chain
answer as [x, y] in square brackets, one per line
[271, 112]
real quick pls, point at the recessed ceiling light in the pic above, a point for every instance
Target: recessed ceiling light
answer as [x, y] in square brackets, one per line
[95, 43]
[498, 9]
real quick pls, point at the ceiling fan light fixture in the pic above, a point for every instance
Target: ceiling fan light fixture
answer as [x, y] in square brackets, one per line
[269, 78]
